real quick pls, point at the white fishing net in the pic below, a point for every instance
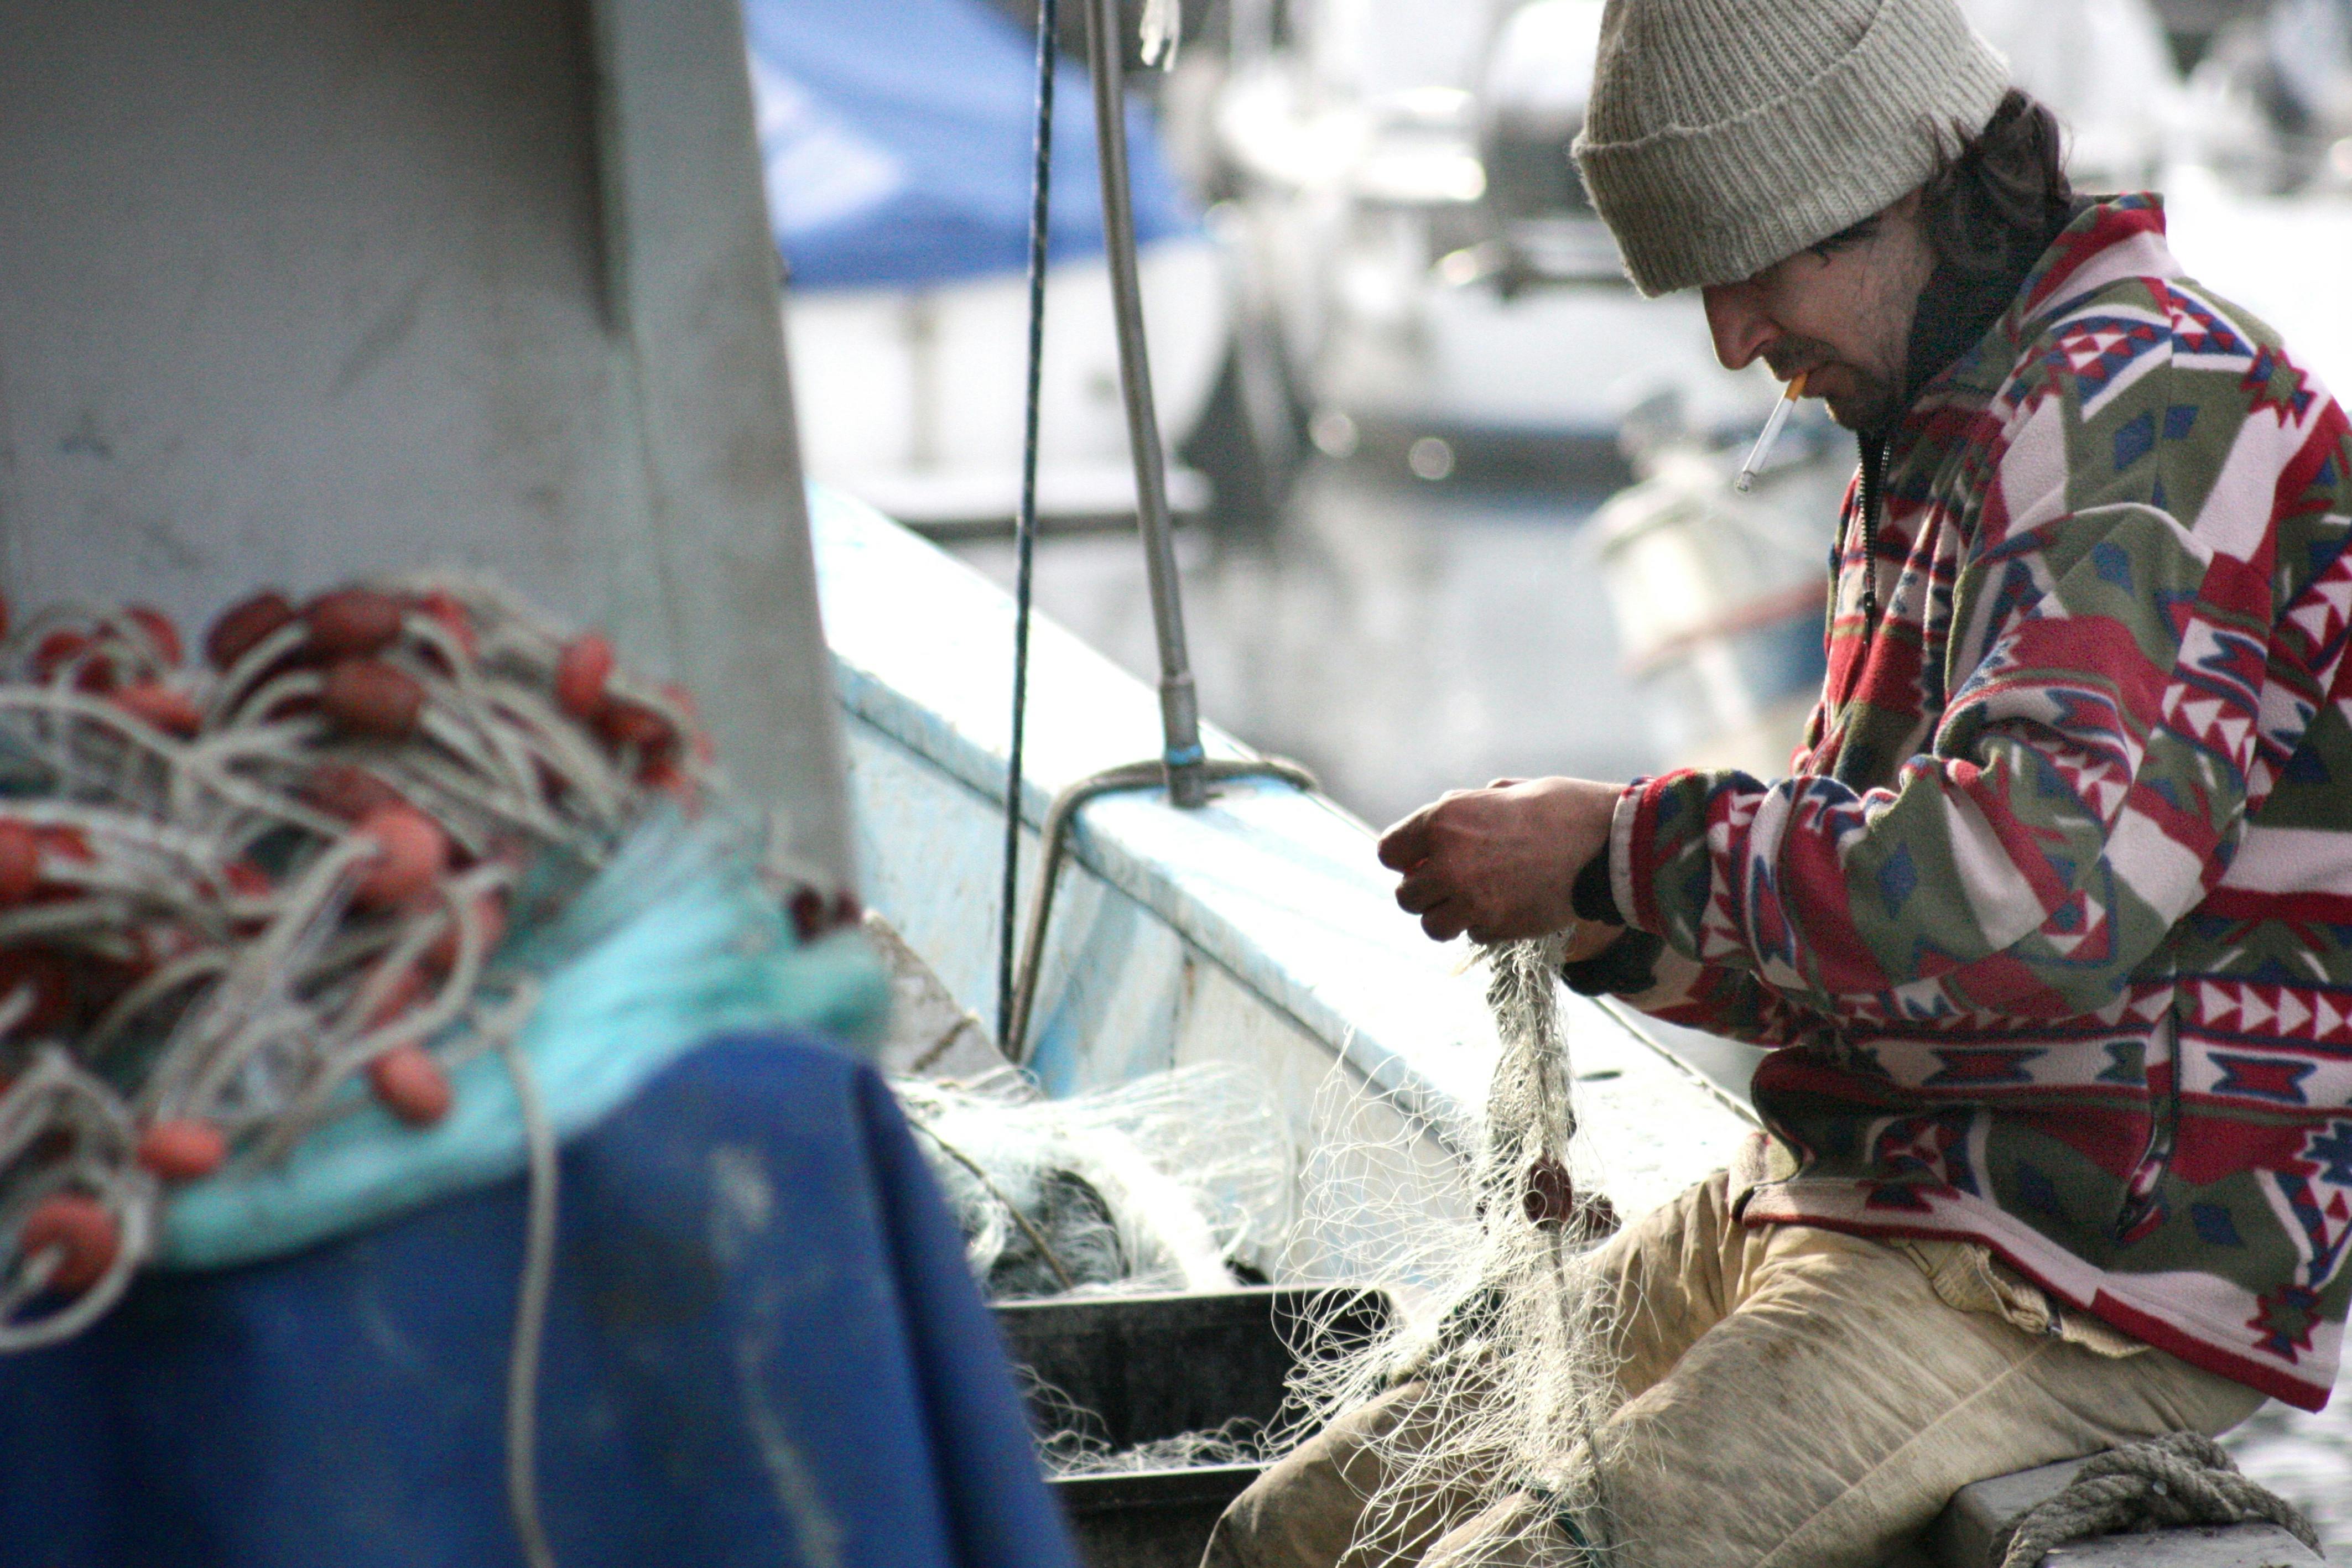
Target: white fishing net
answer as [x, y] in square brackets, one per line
[1497, 1345]
[1070, 1441]
[1156, 1185]
[1499, 1358]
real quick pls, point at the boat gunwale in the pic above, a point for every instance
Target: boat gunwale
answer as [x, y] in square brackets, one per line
[885, 588]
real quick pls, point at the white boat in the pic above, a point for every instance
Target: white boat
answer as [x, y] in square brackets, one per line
[910, 397]
[1259, 930]
[897, 144]
[1718, 597]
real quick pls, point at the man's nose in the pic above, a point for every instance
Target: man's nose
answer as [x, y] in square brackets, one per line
[1736, 319]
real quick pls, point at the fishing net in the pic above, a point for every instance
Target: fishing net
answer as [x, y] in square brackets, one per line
[1069, 1442]
[1498, 1343]
[244, 896]
[1159, 1184]
[1499, 1359]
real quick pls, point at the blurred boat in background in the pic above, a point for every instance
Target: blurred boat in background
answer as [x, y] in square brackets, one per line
[1718, 598]
[896, 141]
[1420, 263]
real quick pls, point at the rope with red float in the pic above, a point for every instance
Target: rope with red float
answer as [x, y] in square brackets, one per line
[244, 896]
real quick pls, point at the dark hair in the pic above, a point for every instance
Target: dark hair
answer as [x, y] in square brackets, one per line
[1999, 191]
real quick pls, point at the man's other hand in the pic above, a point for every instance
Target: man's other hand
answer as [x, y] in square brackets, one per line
[1498, 862]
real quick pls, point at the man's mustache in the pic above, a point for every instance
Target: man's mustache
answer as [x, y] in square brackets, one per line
[1792, 356]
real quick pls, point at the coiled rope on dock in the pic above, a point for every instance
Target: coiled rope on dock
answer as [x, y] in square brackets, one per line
[2179, 1479]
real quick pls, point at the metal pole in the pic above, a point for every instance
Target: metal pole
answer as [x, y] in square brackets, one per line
[1180, 708]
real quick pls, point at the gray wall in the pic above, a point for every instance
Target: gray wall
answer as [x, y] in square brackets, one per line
[294, 289]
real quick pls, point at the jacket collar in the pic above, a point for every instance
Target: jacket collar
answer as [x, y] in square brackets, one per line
[1966, 334]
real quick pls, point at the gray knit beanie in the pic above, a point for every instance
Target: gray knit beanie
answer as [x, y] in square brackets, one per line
[1723, 135]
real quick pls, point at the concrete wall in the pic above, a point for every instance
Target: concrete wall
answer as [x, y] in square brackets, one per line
[296, 289]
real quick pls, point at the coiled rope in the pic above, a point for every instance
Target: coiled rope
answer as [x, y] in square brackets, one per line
[2179, 1479]
[230, 897]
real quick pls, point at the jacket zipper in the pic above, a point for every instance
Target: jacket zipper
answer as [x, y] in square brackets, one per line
[1869, 495]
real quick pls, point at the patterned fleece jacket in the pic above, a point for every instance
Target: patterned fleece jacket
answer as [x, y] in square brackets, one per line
[2053, 918]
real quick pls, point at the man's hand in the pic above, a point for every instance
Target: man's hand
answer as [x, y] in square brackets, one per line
[1498, 862]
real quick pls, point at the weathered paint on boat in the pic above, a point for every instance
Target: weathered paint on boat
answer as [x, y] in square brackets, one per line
[1259, 930]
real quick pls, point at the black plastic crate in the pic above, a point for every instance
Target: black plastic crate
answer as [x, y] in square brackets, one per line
[1144, 1368]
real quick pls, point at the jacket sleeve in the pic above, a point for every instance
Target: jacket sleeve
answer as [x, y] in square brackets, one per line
[1638, 970]
[1723, 1000]
[2111, 700]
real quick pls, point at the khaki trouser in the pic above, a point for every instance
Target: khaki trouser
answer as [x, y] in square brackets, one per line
[1794, 1398]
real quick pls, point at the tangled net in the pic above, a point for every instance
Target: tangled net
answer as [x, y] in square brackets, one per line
[1505, 1382]
[1159, 1184]
[240, 897]
[1069, 1445]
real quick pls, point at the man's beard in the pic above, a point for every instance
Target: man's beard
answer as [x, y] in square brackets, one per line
[1868, 409]
[1863, 401]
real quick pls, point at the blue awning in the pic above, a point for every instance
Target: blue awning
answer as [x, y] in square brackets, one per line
[896, 140]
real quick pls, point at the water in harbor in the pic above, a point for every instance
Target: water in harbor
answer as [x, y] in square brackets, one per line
[1403, 638]
[1400, 638]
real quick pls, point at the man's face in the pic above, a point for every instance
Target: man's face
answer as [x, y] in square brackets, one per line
[1840, 313]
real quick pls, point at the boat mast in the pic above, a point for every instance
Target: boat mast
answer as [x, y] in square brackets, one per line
[1183, 766]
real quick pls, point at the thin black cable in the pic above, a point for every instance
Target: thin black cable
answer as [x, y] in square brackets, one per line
[1025, 526]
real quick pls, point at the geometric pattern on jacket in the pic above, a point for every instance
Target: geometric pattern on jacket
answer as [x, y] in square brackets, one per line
[2053, 918]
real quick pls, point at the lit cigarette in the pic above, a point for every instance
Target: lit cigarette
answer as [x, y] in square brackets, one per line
[1771, 433]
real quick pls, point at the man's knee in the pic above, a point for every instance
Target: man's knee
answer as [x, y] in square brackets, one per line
[1308, 1510]
[1520, 1532]
[1280, 1514]
[1230, 1546]
[1302, 1513]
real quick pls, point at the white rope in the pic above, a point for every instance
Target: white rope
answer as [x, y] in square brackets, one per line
[531, 1314]
[2179, 1479]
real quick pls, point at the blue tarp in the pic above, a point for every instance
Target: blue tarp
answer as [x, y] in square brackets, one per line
[896, 136]
[762, 1348]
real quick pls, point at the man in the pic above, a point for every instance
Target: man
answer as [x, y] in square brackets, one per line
[2050, 919]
